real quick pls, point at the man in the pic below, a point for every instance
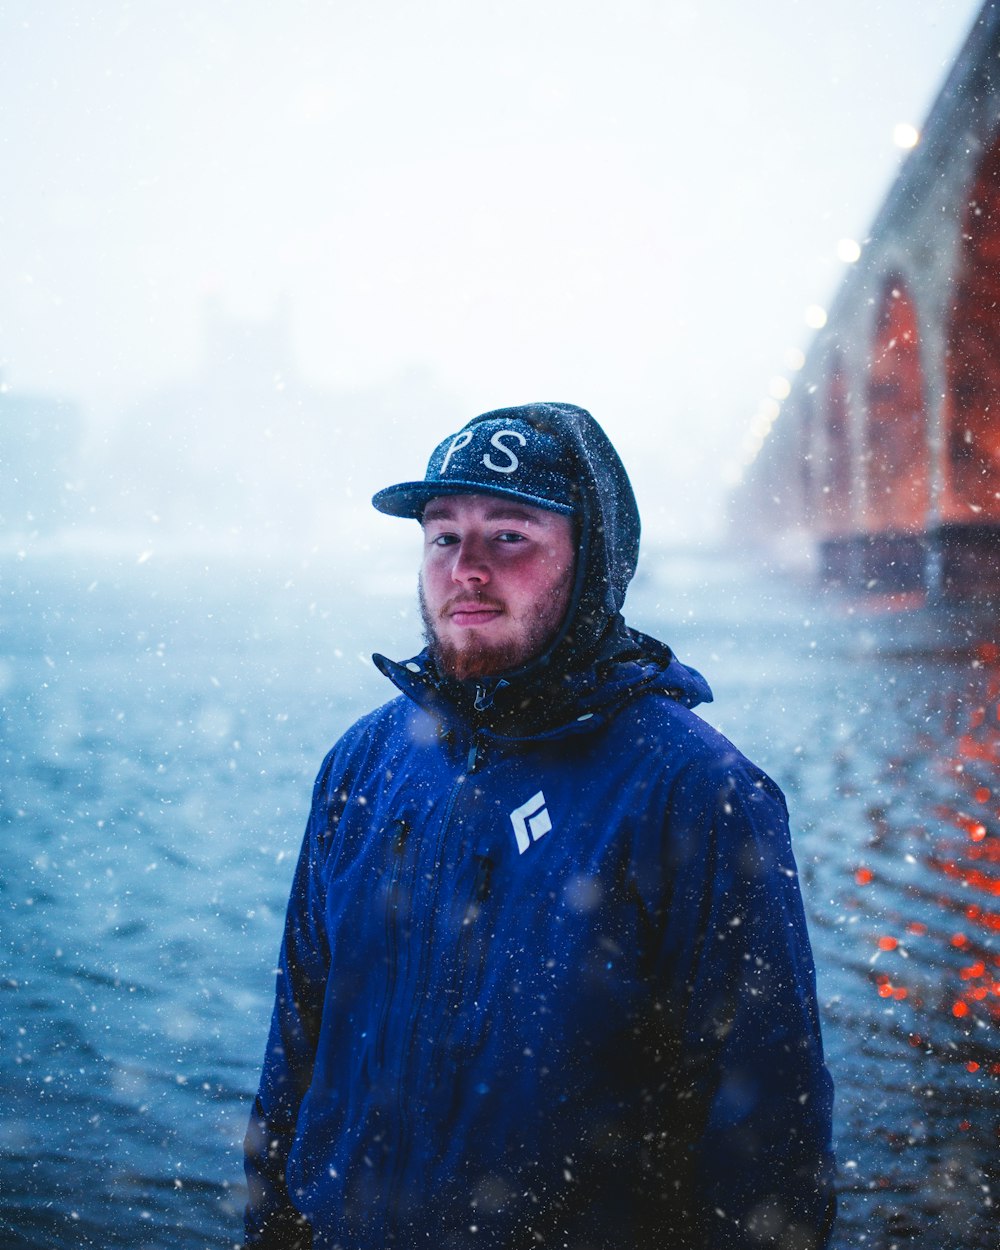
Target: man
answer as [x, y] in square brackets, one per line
[545, 978]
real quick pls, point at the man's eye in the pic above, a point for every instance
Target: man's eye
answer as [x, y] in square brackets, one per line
[510, 536]
[443, 540]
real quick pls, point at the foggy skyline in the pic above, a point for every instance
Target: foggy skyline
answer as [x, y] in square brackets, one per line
[626, 209]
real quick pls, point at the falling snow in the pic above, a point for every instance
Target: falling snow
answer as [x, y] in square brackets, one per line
[160, 730]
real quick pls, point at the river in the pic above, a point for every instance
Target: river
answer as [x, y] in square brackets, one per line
[160, 726]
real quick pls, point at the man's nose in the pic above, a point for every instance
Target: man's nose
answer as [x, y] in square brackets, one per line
[471, 564]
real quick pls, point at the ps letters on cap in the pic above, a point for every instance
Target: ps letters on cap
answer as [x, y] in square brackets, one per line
[501, 440]
[509, 457]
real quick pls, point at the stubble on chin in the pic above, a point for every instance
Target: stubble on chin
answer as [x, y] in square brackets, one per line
[480, 658]
[476, 658]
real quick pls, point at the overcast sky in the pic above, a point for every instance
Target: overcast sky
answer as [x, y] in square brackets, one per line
[625, 205]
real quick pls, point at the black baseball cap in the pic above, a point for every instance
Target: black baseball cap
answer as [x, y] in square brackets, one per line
[505, 453]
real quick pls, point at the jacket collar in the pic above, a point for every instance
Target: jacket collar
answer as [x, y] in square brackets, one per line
[630, 662]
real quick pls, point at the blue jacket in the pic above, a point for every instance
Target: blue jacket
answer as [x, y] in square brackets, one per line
[548, 988]
[545, 978]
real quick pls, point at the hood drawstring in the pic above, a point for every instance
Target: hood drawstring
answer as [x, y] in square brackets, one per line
[485, 694]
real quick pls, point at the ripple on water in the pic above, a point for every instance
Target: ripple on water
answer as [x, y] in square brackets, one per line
[155, 798]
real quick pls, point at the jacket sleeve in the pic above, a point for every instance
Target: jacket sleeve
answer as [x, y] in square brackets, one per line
[271, 1221]
[750, 1062]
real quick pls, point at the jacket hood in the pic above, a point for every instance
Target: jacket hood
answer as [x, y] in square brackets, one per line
[593, 632]
[607, 519]
[609, 529]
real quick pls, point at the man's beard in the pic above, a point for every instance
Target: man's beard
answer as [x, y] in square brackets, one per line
[480, 658]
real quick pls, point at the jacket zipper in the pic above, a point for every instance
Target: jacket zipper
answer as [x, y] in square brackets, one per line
[391, 935]
[467, 940]
[473, 759]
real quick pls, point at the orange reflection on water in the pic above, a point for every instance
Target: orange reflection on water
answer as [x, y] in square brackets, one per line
[968, 876]
[952, 974]
[886, 989]
[974, 767]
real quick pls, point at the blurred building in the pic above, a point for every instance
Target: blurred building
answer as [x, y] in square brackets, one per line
[885, 456]
[244, 453]
[208, 455]
[40, 444]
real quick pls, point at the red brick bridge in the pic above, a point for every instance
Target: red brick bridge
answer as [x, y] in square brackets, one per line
[885, 456]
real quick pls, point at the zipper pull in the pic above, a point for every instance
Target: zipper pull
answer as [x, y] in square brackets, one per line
[401, 831]
[485, 694]
[473, 760]
[484, 871]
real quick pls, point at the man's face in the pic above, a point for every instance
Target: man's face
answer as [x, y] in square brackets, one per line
[495, 581]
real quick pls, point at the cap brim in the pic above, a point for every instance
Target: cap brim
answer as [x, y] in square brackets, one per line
[408, 499]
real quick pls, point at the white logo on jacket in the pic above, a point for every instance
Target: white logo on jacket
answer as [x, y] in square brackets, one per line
[531, 821]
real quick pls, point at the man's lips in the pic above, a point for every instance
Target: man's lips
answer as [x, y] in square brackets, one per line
[473, 613]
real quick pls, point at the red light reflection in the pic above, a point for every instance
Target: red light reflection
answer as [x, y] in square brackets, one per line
[952, 974]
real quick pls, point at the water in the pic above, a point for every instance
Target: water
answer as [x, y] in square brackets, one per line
[160, 731]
